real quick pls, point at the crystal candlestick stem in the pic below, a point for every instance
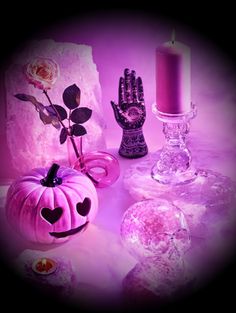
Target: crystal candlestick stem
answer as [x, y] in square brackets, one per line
[174, 165]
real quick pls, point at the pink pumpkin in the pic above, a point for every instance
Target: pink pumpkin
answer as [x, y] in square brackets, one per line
[50, 205]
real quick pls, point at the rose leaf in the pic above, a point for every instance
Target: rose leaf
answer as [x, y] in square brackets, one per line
[78, 130]
[63, 135]
[60, 110]
[71, 97]
[24, 97]
[81, 115]
[55, 123]
[46, 119]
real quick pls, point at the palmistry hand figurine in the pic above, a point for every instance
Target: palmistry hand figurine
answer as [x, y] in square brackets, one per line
[130, 114]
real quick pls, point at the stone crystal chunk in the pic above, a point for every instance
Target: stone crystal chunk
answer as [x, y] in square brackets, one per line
[30, 142]
[158, 278]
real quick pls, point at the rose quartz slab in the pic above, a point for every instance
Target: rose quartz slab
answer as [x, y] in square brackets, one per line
[30, 142]
[159, 278]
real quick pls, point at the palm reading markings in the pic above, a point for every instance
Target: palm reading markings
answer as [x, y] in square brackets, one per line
[130, 110]
[130, 114]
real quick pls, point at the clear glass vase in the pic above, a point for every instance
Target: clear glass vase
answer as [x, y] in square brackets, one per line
[101, 167]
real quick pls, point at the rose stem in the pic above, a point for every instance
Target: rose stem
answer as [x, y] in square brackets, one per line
[81, 146]
[62, 124]
[71, 138]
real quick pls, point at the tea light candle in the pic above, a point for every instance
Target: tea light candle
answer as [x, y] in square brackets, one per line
[173, 77]
[44, 266]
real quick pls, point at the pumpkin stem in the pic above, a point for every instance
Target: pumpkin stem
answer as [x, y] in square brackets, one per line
[51, 180]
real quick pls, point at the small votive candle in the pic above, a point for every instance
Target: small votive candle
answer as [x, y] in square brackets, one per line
[44, 266]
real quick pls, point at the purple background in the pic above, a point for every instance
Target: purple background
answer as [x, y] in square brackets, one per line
[130, 40]
[121, 40]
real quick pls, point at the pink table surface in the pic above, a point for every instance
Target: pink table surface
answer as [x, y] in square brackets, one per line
[99, 259]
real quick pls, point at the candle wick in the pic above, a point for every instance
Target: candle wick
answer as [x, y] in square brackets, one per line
[173, 36]
[44, 263]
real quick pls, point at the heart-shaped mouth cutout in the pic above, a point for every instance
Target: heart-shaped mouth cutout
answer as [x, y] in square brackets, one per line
[51, 216]
[84, 207]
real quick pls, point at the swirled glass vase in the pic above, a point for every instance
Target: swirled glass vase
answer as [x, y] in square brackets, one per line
[101, 167]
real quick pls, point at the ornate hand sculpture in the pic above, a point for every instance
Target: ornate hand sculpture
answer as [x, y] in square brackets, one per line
[130, 114]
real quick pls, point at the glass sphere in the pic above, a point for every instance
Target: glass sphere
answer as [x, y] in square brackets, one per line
[154, 227]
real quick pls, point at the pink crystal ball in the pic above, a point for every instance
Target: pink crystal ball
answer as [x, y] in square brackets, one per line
[154, 227]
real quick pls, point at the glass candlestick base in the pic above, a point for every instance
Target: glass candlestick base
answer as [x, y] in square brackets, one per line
[174, 165]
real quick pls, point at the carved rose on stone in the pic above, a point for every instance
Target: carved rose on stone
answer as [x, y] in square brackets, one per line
[42, 73]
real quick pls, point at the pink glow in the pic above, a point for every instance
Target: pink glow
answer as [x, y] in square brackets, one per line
[130, 41]
[130, 44]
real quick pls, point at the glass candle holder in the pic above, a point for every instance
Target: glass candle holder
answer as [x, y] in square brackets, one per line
[44, 266]
[174, 165]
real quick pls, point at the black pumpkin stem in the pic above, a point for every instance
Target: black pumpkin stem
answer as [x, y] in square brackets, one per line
[51, 180]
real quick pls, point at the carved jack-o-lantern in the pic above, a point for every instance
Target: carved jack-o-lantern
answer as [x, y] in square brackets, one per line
[48, 206]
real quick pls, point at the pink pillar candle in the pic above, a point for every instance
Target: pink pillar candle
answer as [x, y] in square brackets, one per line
[173, 81]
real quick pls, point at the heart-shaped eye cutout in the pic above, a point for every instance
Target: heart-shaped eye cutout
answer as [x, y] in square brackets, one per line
[84, 207]
[51, 216]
